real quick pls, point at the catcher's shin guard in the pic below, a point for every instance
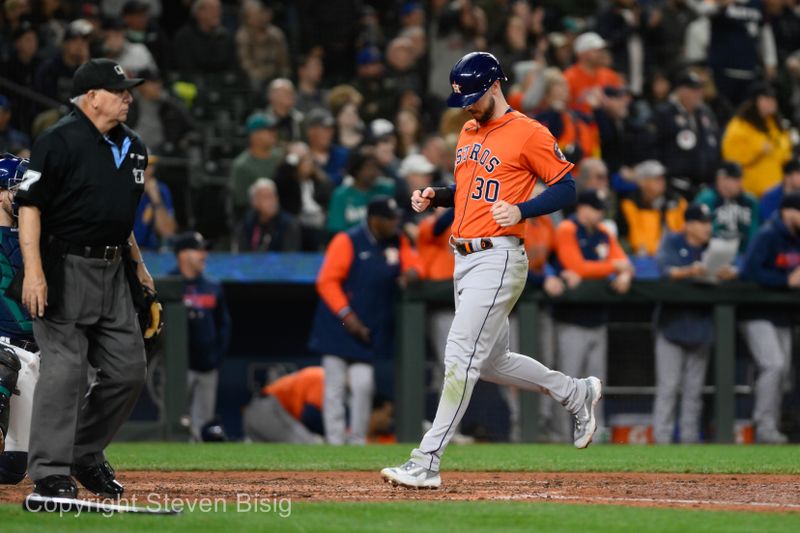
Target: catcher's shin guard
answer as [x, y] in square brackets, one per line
[13, 467]
[9, 372]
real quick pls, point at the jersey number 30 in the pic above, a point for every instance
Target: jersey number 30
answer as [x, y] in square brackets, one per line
[487, 190]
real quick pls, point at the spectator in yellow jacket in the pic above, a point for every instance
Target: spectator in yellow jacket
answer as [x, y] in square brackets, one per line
[756, 139]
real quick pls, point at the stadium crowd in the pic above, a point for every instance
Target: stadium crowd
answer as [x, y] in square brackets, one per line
[272, 125]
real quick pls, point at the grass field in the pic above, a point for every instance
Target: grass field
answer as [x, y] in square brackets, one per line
[438, 516]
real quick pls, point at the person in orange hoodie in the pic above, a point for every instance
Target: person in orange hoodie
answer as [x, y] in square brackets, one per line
[587, 250]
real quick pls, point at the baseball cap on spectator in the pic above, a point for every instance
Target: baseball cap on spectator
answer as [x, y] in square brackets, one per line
[260, 121]
[649, 169]
[698, 213]
[592, 198]
[78, 29]
[101, 74]
[22, 28]
[730, 169]
[134, 6]
[416, 164]
[380, 128]
[791, 201]
[368, 55]
[189, 240]
[383, 207]
[586, 42]
[4, 103]
[689, 79]
[408, 8]
[615, 92]
[791, 166]
[319, 117]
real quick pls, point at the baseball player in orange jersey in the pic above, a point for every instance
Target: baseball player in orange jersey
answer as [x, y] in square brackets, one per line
[500, 155]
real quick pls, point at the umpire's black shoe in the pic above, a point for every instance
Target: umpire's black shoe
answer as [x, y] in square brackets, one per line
[99, 478]
[56, 486]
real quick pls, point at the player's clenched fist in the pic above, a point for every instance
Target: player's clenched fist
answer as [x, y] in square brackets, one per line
[506, 214]
[421, 200]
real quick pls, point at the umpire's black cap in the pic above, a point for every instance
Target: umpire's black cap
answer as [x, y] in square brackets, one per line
[189, 240]
[383, 207]
[101, 74]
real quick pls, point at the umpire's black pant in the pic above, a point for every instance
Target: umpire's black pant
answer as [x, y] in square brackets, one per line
[94, 324]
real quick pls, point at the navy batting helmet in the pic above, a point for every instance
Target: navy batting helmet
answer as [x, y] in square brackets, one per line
[472, 76]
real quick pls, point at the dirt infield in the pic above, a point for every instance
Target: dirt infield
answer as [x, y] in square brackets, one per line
[766, 493]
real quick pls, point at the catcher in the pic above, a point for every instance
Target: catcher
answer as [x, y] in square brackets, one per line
[19, 355]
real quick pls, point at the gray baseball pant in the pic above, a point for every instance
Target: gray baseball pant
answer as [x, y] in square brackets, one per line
[487, 285]
[771, 347]
[359, 379]
[94, 325]
[679, 370]
[202, 390]
[581, 351]
[265, 420]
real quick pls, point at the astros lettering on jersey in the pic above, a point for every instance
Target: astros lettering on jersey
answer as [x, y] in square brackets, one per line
[501, 160]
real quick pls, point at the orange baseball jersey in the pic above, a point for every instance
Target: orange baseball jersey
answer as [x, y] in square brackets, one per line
[298, 389]
[501, 160]
[435, 252]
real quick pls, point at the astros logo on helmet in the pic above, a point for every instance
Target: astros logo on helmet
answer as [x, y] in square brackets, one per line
[472, 76]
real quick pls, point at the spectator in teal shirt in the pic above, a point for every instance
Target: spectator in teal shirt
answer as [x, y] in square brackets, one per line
[348, 205]
[734, 212]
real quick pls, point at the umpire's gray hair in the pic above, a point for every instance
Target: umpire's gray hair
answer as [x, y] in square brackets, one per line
[261, 183]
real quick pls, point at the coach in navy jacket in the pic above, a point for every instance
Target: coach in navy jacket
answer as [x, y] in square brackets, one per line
[354, 324]
[772, 261]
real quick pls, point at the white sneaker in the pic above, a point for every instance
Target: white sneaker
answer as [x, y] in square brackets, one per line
[585, 423]
[412, 475]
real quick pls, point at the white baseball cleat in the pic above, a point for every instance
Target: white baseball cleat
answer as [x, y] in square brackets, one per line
[412, 475]
[585, 423]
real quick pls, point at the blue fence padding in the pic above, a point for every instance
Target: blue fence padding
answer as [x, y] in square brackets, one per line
[299, 268]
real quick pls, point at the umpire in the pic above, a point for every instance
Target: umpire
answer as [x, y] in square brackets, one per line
[78, 201]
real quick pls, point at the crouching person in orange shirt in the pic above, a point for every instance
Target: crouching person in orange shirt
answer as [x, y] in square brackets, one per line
[354, 324]
[287, 410]
[587, 250]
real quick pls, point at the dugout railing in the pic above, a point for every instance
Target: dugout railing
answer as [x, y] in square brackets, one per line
[725, 299]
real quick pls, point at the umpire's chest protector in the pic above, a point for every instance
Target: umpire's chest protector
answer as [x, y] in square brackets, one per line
[370, 286]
